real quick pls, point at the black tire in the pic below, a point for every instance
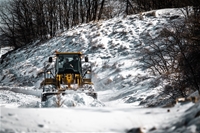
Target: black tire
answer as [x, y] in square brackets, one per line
[43, 98]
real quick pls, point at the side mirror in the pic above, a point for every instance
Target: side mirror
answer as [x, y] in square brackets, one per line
[86, 59]
[50, 59]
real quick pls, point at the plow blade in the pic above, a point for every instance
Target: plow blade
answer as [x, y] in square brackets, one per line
[46, 95]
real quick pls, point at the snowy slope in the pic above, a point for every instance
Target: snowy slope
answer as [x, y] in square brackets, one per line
[122, 83]
[113, 46]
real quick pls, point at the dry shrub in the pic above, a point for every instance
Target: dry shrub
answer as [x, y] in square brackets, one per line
[106, 65]
[141, 17]
[176, 57]
[102, 46]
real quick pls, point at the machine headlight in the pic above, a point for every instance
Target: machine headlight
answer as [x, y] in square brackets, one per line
[88, 72]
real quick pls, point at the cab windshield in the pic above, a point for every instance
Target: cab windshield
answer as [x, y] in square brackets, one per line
[68, 64]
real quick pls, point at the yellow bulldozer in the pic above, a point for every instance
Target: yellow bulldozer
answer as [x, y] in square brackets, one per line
[66, 72]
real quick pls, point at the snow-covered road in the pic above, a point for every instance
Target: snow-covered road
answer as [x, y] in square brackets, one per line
[23, 113]
[89, 119]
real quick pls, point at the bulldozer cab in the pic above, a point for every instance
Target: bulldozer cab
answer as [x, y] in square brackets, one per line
[68, 63]
[69, 68]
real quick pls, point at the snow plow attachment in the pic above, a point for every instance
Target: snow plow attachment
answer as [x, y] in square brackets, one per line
[68, 74]
[46, 95]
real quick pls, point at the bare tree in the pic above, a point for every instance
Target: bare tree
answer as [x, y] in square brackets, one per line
[101, 9]
[129, 7]
[177, 55]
